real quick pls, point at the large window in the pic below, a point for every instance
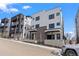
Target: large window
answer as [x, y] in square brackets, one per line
[37, 18]
[50, 37]
[52, 16]
[37, 26]
[53, 36]
[51, 26]
[58, 36]
[57, 14]
[58, 24]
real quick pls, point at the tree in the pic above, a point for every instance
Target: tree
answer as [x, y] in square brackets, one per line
[68, 35]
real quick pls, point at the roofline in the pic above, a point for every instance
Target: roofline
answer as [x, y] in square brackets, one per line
[47, 10]
[4, 19]
[21, 14]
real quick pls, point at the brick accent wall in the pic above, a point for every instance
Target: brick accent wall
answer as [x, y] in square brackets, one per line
[40, 34]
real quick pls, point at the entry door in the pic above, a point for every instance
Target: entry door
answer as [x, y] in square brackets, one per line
[33, 35]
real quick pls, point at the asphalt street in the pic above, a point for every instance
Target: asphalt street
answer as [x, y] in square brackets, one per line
[16, 48]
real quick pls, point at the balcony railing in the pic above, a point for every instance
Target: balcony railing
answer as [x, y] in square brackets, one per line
[4, 21]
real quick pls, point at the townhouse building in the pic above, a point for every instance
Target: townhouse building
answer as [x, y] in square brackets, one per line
[47, 25]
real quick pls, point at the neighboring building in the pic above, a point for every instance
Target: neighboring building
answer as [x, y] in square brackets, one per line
[5, 26]
[77, 26]
[19, 24]
[48, 25]
[27, 27]
[17, 27]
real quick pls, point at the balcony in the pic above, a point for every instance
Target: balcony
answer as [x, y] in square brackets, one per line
[5, 20]
[17, 19]
[19, 30]
[13, 26]
[13, 20]
[4, 27]
[12, 31]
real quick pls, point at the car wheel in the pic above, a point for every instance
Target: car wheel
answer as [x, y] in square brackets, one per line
[70, 53]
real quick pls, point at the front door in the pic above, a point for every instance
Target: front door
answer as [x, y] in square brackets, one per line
[33, 35]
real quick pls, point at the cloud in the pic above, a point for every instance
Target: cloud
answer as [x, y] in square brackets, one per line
[26, 7]
[5, 8]
[13, 10]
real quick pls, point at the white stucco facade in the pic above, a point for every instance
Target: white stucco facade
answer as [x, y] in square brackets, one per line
[44, 18]
[26, 25]
[45, 21]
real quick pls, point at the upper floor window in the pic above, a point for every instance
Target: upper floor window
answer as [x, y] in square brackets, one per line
[51, 26]
[57, 14]
[37, 18]
[58, 24]
[52, 16]
[37, 26]
[33, 18]
[24, 34]
[21, 26]
[22, 18]
[32, 26]
[25, 27]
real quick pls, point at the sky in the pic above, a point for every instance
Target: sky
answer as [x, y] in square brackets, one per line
[69, 11]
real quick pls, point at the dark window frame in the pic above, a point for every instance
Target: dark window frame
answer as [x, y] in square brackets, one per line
[37, 18]
[51, 16]
[58, 23]
[37, 26]
[25, 28]
[53, 36]
[51, 25]
[58, 13]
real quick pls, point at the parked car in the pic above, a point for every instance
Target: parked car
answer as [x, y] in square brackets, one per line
[70, 50]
